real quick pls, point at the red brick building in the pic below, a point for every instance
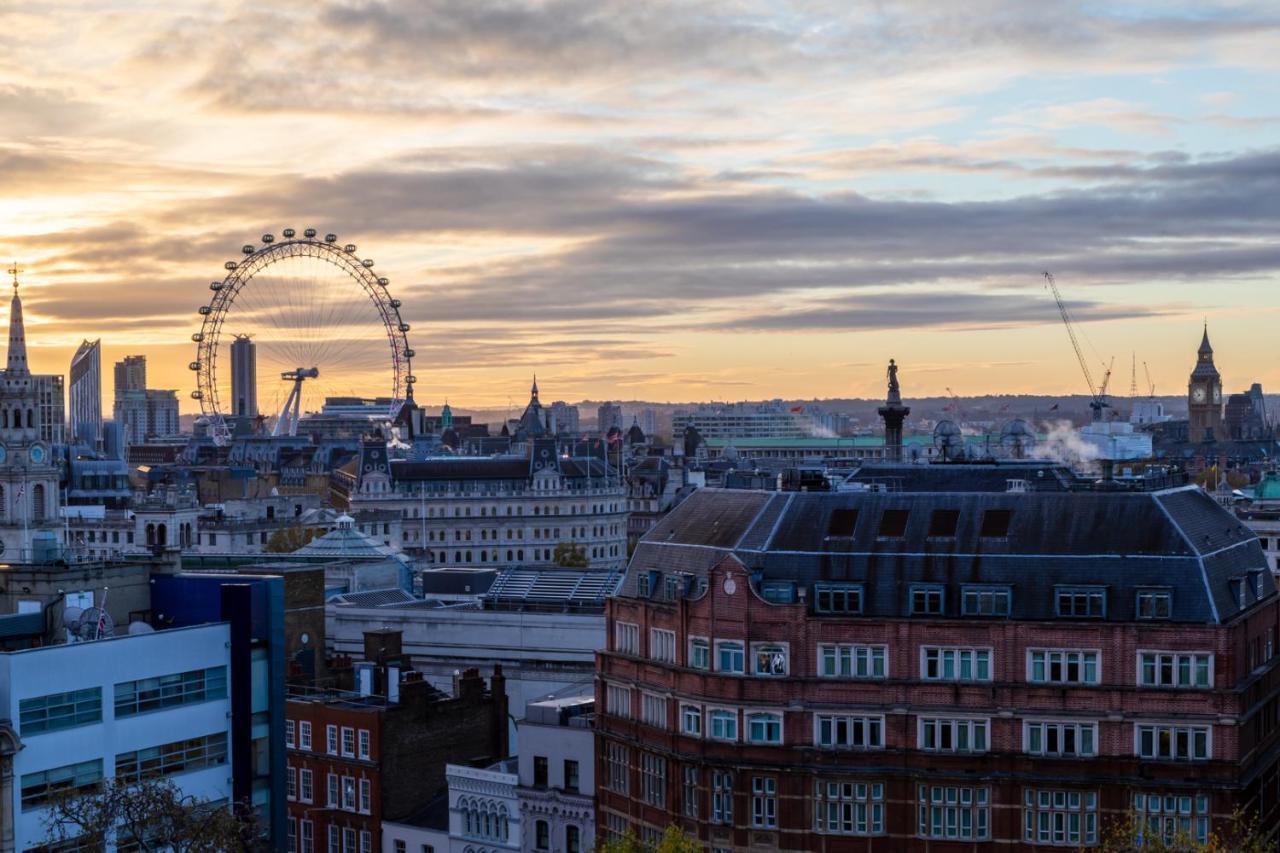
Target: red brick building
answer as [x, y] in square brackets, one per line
[378, 750]
[939, 670]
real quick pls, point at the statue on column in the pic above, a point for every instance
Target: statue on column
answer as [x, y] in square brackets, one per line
[895, 394]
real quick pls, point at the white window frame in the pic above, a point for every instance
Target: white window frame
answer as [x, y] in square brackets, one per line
[662, 645]
[304, 734]
[850, 719]
[1062, 725]
[1176, 655]
[626, 638]
[693, 643]
[653, 709]
[955, 724]
[618, 701]
[959, 653]
[1046, 650]
[711, 712]
[742, 650]
[348, 742]
[783, 649]
[1174, 726]
[331, 739]
[364, 740]
[774, 717]
[290, 741]
[855, 650]
[690, 712]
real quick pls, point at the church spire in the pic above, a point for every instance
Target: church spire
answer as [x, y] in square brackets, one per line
[17, 334]
[1205, 348]
[534, 391]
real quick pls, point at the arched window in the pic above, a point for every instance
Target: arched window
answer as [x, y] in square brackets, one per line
[31, 419]
[151, 534]
[162, 534]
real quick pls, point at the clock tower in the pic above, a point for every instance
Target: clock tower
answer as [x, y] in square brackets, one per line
[1204, 396]
[28, 472]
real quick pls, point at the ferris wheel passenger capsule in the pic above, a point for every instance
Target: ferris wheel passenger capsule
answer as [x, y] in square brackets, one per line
[409, 353]
[384, 281]
[367, 262]
[248, 249]
[309, 233]
[410, 379]
[195, 365]
[215, 285]
[404, 327]
[331, 238]
[197, 395]
[268, 238]
[288, 233]
[395, 303]
[205, 310]
[230, 265]
[350, 248]
[198, 337]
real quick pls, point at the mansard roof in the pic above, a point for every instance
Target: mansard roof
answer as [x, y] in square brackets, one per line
[1031, 542]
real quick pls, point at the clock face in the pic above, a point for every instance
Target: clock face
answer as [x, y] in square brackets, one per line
[1198, 395]
[37, 454]
[1217, 395]
[4, 454]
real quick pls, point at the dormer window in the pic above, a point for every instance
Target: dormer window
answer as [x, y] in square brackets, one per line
[1155, 604]
[893, 524]
[943, 523]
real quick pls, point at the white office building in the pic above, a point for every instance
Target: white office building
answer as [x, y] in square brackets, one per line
[140, 706]
[557, 774]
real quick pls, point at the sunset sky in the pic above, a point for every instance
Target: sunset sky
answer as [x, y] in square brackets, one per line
[665, 201]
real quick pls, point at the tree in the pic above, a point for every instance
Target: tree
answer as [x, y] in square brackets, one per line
[286, 540]
[1237, 834]
[674, 840]
[571, 555]
[153, 813]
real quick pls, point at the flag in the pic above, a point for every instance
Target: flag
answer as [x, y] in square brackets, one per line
[795, 410]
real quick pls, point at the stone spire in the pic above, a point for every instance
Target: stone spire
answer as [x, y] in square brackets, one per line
[1206, 351]
[533, 392]
[17, 333]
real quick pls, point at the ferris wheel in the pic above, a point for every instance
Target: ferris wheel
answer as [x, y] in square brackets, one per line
[302, 311]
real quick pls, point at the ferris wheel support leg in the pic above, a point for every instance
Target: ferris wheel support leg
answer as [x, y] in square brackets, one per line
[288, 414]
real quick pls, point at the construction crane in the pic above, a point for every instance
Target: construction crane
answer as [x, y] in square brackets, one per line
[1151, 386]
[1097, 392]
[955, 403]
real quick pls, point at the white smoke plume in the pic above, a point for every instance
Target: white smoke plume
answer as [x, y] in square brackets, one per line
[1063, 444]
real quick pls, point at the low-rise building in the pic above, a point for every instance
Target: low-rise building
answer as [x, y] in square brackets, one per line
[556, 767]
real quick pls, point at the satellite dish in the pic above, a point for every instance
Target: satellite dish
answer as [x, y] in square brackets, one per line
[949, 440]
[1017, 439]
[93, 623]
[136, 628]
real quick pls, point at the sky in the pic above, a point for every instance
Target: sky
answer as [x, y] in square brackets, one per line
[665, 201]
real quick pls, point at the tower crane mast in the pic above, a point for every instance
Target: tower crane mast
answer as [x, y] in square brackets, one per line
[1098, 393]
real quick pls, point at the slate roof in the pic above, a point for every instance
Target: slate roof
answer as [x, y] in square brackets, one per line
[1031, 542]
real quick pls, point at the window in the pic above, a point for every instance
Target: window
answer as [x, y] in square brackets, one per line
[764, 728]
[331, 739]
[58, 711]
[618, 700]
[653, 778]
[943, 523]
[1169, 816]
[662, 645]
[721, 796]
[653, 709]
[1062, 666]
[995, 524]
[842, 661]
[571, 775]
[893, 524]
[926, 600]
[291, 783]
[308, 836]
[540, 771]
[691, 720]
[1174, 669]
[168, 759]
[626, 638]
[842, 522]
[1169, 742]
[348, 841]
[848, 808]
[769, 659]
[39, 788]
[778, 592]
[364, 744]
[291, 843]
[1066, 739]
[366, 841]
[723, 724]
[366, 796]
[844, 731]
[955, 664]
[764, 802]
[837, 597]
[348, 742]
[332, 801]
[1155, 604]
[541, 835]
[948, 735]
[304, 735]
[954, 811]
[572, 839]
[985, 600]
[290, 740]
[729, 656]
[699, 653]
[305, 785]
[169, 691]
[1065, 818]
[689, 791]
[1081, 602]
[617, 760]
